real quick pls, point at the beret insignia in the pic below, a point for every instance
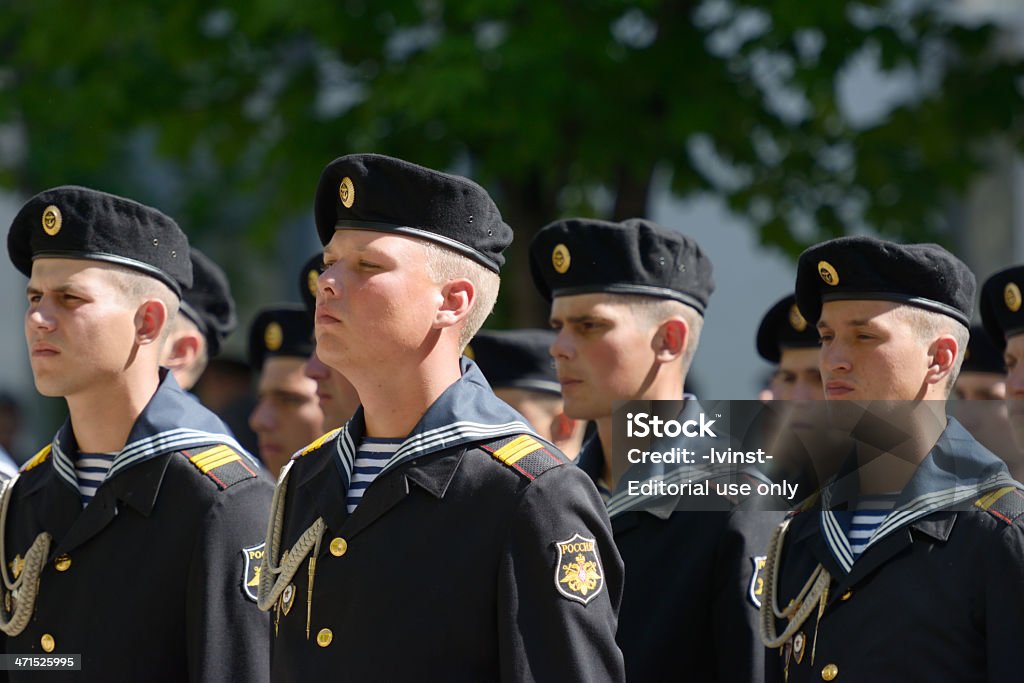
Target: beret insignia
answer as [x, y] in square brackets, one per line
[347, 192]
[313, 281]
[796, 320]
[1011, 296]
[273, 336]
[828, 273]
[52, 220]
[561, 259]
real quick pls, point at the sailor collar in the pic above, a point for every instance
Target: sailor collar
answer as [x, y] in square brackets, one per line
[467, 412]
[619, 500]
[957, 469]
[172, 421]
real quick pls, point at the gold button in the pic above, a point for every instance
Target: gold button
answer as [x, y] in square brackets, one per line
[339, 547]
[830, 672]
[47, 642]
[62, 563]
[846, 596]
[324, 638]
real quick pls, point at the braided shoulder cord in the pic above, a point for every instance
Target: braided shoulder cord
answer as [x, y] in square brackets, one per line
[798, 610]
[25, 588]
[277, 574]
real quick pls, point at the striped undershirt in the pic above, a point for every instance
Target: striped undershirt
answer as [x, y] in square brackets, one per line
[371, 457]
[868, 513]
[91, 469]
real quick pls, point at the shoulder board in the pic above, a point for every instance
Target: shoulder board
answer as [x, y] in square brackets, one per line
[317, 444]
[525, 454]
[1006, 504]
[222, 464]
[38, 459]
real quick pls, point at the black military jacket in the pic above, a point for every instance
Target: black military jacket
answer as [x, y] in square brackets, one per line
[938, 594]
[689, 609]
[476, 555]
[154, 579]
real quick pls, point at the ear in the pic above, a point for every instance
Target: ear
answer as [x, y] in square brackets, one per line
[943, 354]
[670, 340]
[457, 296]
[150, 319]
[181, 351]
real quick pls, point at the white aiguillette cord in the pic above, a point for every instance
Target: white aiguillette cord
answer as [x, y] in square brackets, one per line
[813, 595]
[275, 574]
[25, 587]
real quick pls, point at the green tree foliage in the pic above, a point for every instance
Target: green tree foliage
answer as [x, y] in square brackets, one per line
[557, 107]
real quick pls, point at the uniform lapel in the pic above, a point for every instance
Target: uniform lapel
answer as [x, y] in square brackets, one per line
[386, 492]
[807, 539]
[55, 505]
[323, 485]
[136, 487]
[433, 474]
[937, 526]
[873, 558]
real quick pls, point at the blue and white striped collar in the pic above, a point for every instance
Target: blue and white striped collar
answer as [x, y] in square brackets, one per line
[171, 421]
[467, 412]
[956, 470]
[619, 500]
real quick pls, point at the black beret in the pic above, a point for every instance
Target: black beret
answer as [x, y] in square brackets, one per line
[981, 354]
[79, 223]
[867, 268]
[309, 277]
[1001, 309]
[208, 302]
[516, 359]
[783, 327]
[637, 256]
[285, 330]
[375, 192]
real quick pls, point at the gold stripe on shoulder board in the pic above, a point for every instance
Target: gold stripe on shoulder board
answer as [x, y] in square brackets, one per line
[518, 448]
[319, 442]
[990, 498]
[38, 459]
[213, 458]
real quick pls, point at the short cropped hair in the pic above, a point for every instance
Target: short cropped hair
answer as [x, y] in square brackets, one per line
[928, 326]
[444, 264]
[136, 287]
[653, 311]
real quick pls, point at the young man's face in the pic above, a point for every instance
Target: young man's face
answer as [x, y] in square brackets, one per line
[79, 326]
[869, 352]
[287, 415]
[376, 302]
[602, 353]
[798, 377]
[1014, 356]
